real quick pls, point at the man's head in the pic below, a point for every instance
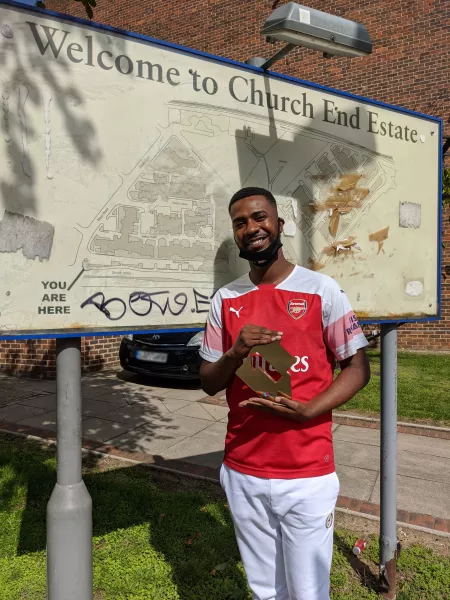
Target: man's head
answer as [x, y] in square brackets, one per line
[256, 225]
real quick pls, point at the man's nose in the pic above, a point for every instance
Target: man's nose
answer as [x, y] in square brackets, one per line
[252, 227]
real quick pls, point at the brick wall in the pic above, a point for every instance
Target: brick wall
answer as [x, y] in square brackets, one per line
[410, 67]
[37, 358]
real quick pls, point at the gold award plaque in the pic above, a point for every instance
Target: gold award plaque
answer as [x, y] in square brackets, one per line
[261, 381]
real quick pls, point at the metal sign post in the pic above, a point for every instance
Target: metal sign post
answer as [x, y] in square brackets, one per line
[69, 510]
[388, 461]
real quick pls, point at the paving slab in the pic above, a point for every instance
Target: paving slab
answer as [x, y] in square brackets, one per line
[363, 435]
[17, 382]
[10, 395]
[47, 401]
[191, 395]
[95, 408]
[217, 431]
[194, 450]
[101, 430]
[45, 398]
[354, 454]
[218, 412]
[17, 412]
[173, 405]
[140, 440]
[423, 445]
[141, 399]
[179, 425]
[423, 466]
[140, 384]
[100, 379]
[136, 415]
[130, 390]
[46, 420]
[113, 385]
[355, 482]
[114, 397]
[42, 385]
[89, 392]
[196, 410]
[419, 496]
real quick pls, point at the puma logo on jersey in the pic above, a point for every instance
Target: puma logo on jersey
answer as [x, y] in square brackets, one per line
[236, 311]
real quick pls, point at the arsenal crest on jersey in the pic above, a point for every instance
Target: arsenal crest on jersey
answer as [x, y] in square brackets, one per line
[297, 308]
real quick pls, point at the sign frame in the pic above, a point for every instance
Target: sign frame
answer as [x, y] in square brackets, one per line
[105, 331]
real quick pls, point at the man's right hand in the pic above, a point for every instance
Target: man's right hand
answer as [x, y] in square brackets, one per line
[251, 336]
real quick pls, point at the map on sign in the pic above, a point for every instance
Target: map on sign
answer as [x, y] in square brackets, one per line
[164, 212]
[119, 159]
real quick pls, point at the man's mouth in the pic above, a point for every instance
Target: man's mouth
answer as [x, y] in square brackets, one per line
[256, 243]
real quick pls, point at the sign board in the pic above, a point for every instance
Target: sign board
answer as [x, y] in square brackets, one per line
[119, 155]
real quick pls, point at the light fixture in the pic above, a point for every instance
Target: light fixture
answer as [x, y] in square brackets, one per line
[301, 26]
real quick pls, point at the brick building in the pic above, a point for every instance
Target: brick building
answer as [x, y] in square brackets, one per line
[409, 67]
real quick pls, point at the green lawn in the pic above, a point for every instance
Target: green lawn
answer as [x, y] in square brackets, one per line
[423, 388]
[162, 537]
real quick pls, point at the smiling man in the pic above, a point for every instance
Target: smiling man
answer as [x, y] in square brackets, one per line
[278, 471]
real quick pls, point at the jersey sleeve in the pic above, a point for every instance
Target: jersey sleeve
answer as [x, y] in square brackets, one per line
[212, 346]
[342, 332]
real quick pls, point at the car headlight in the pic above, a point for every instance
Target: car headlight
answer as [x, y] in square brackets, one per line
[129, 337]
[197, 339]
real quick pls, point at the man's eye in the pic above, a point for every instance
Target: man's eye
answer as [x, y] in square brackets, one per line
[261, 218]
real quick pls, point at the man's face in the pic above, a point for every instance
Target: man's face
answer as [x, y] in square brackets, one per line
[255, 223]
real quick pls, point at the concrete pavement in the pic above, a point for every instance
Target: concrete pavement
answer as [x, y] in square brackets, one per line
[175, 422]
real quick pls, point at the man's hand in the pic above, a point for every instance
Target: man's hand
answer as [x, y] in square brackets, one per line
[354, 375]
[281, 405]
[251, 336]
[218, 375]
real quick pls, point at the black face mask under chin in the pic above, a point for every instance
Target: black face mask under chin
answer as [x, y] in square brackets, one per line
[263, 257]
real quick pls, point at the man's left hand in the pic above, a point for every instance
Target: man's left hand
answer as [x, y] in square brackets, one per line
[354, 375]
[281, 405]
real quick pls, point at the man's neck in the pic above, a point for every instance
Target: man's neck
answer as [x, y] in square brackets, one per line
[274, 273]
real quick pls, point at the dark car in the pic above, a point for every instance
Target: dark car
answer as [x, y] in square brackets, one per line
[166, 354]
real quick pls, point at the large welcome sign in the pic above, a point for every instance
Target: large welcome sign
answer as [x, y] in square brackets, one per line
[118, 158]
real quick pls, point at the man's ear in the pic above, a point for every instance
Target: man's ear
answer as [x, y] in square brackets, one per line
[280, 224]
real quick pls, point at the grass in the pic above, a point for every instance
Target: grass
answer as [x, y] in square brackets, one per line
[423, 388]
[163, 537]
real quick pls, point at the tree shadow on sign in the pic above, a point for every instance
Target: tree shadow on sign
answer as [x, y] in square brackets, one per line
[302, 157]
[37, 84]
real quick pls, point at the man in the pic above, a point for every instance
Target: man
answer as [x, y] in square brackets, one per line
[278, 471]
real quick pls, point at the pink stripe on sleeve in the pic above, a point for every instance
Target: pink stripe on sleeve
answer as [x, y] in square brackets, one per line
[342, 332]
[213, 338]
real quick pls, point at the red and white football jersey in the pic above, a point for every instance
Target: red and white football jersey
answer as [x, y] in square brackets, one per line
[318, 326]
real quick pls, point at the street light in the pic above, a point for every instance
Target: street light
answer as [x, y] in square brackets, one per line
[301, 26]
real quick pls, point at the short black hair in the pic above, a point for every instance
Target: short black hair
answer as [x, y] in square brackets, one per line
[252, 191]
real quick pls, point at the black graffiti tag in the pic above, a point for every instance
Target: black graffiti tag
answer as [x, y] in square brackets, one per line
[202, 302]
[102, 305]
[143, 303]
[149, 299]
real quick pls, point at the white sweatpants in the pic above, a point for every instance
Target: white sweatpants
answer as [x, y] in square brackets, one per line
[284, 530]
